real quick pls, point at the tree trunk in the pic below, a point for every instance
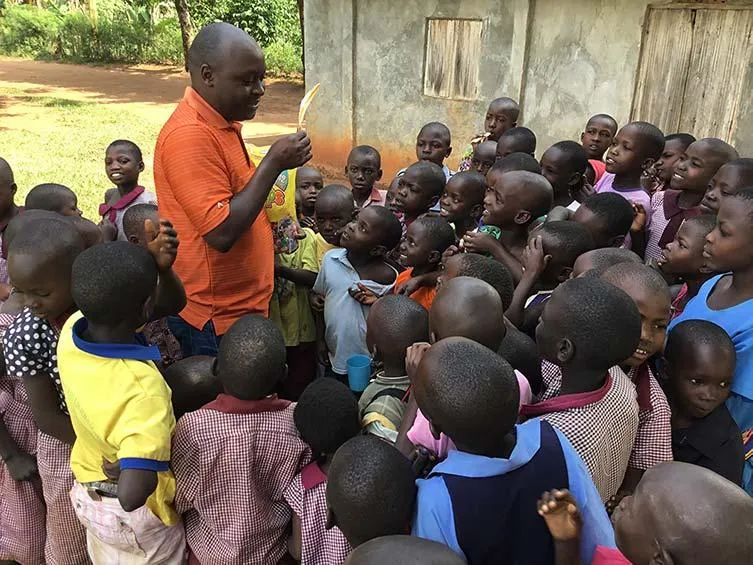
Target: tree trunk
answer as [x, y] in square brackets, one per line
[186, 28]
[303, 38]
[91, 8]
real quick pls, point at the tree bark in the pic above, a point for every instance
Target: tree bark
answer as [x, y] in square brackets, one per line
[186, 28]
[303, 39]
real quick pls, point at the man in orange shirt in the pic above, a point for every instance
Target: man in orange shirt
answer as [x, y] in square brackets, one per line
[208, 187]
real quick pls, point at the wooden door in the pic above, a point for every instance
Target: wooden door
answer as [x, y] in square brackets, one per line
[692, 69]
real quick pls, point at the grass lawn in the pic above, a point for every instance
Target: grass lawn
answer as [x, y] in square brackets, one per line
[63, 140]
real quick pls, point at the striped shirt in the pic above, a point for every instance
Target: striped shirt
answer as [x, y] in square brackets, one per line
[200, 164]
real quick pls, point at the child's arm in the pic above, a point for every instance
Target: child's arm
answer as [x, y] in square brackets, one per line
[534, 263]
[632, 477]
[403, 444]
[134, 487]
[43, 399]
[170, 297]
[638, 230]
[295, 540]
[560, 512]
[302, 277]
[414, 283]
[21, 465]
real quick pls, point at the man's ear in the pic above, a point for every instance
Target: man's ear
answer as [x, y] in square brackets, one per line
[434, 200]
[575, 179]
[207, 75]
[522, 217]
[564, 274]
[477, 210]
[435, 257]
[646, 165]
[660, 556]
[141, 166]
[565, 351]
[379, 175]
[449, 152]
[13, 189]
[133, 239]
[379, 251]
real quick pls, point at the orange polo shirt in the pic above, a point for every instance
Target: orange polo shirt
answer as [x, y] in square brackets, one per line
[200, 163]
[424, 295]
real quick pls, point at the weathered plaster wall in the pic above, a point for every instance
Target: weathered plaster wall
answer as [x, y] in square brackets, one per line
[564, 60]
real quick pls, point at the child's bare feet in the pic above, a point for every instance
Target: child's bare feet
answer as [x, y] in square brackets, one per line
[560, 512]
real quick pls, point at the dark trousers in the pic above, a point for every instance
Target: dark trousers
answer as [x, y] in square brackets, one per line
[192, 341]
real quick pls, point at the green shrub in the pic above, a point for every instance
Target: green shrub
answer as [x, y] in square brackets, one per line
[29, 31]
[166, 45]
[77, 38]
[283, 59]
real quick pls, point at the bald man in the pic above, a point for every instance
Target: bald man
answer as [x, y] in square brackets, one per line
[682, 514]
[208, 187]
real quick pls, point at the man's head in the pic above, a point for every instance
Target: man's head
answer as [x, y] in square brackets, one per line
[113, 285]
[682, 514]
[470, 308]
[434, 143]
[53, 198]
[334, 210]
[578, 329]
[395, 322]
[252, 359]
[227, 69]
[371, 490]
[607, 216]
[364, 168]
[134, 221]
[406, 550]
[469, 393]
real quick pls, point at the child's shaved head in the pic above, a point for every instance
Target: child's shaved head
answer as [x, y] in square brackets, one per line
[193, 383]
[688, 514]
[395, 322]
[516, 140]
[437, 128]
[518, 162]
[406, 550]
[7, 180]
[506, 105]
[720, 150]
[468, 307]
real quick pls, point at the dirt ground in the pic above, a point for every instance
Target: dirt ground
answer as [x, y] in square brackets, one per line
[153, 89]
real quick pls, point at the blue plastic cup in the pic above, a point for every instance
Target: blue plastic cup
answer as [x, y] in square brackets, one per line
[359, 372]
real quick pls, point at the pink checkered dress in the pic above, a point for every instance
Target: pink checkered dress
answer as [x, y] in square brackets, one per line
[22, 511]
[306, 497]
[602, 431]
[653, 439]
[233, 461]
[30, 352]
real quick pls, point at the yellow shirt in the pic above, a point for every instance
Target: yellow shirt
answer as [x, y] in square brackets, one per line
[289, 308]
[120, 409]
[321, 248]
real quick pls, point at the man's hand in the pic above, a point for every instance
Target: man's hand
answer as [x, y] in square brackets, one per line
[363, 295]
[479, 243]
[290, 151]
[316, 301]
[163, 243]
[22, 466]
[534, 259]
[560, 512]
[639, 218]
[413, 356]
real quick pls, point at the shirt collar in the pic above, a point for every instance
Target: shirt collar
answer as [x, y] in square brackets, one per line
[641, 377]
[707, 435]
[382, 379]
[566, 401]
[231, 405]
[477, 466]
[135, 351]
[207, 113]
[312, 475]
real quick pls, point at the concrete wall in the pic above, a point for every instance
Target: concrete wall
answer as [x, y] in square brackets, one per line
[564, 60]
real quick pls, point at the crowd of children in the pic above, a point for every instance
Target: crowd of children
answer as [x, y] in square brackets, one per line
[561, 365]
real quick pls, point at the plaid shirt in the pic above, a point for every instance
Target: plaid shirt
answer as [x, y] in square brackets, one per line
[601, 425]
[653, 440]
[306, 496]
[233, 460]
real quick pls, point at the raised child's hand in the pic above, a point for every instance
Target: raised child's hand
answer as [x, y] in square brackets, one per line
[639, 218]
[535, 260]
[560, 512]
[413, 356]
[479, 243]
[22, 466]
[308, 222]
[163, 243]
